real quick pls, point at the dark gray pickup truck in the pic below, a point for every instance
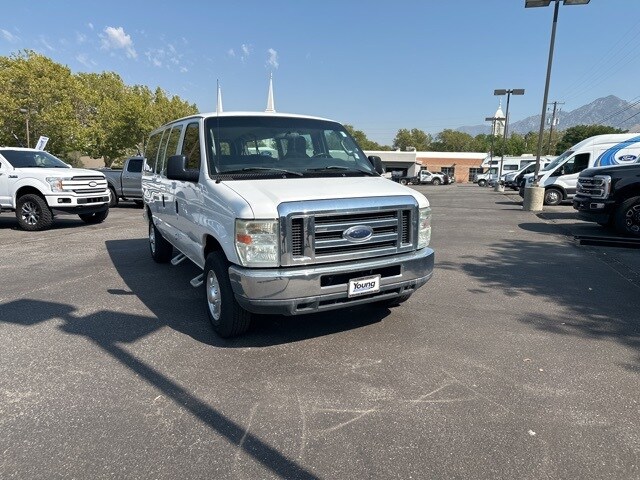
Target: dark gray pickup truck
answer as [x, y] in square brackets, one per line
[125, 183]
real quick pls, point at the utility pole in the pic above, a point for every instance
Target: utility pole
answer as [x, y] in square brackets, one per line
[554, 120]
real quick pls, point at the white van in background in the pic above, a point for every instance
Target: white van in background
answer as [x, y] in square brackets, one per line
[560, 177]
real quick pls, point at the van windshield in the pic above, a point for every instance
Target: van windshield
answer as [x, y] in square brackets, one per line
[242, 146]
[559, 160]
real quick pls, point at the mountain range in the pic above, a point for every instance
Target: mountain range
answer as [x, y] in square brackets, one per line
[610, 110]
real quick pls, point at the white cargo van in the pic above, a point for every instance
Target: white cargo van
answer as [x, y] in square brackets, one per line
[560, 177]
[284, 214]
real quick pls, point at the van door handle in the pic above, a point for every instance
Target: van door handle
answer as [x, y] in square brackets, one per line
[163, 201]
[176, 206]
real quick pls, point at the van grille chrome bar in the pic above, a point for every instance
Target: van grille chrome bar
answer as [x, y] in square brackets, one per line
[313, 232]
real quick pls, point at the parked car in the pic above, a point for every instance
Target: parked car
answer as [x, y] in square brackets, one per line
[37, 186]
[291, 233]
[125, 183]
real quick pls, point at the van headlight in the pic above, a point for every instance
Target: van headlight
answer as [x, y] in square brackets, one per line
[257, 242]
[55, 183]
[424, 227]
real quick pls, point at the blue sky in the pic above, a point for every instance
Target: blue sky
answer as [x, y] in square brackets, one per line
[379, 66]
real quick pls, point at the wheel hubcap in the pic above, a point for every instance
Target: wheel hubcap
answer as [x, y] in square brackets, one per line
[30, 213]
[633, 219]
[552, 197]
[214, 301]
[152, 239]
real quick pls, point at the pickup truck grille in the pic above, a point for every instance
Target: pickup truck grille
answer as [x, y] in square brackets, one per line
[317, 235]
[85, 184]
[595, 187]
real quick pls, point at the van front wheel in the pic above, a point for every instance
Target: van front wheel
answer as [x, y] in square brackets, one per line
[228, 318]
[552, 196]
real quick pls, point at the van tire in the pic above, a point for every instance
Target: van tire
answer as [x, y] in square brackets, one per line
[627, 217]
[33, 213]
[92, 218]
[161, 250]
[226, 315]
[552, 196]
[482, 183]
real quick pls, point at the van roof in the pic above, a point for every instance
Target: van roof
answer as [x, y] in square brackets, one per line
[248, 114]
[606, 138]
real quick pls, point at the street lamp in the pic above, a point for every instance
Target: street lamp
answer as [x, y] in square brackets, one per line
[534, 195]
[508, 93]
[27, 112]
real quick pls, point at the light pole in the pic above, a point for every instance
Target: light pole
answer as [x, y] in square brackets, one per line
[508, 93]
[27, 112]
[493, 121]
[534, 195]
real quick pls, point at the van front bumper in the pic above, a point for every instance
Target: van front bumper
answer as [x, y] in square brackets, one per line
[301, 290]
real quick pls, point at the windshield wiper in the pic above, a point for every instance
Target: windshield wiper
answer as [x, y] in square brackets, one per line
[336, 167]
[260, 169]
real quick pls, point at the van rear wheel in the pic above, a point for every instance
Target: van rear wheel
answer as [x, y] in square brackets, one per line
[226, 315]
[482, 183]
[161, 250]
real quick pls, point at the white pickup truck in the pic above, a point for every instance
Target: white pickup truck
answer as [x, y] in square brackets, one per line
[36, 185]
[284, 214]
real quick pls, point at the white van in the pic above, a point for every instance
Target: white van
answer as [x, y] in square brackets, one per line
[560, 177]
[491, 166]
[309, 226]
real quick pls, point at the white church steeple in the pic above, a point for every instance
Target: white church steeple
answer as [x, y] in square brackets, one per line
[270, 103]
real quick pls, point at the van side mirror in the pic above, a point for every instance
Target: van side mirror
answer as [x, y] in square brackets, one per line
[377, 164]
[176, 169]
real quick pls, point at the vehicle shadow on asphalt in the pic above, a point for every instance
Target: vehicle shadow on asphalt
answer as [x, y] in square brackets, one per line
[109, 330]
[600, 304]
[166, 291]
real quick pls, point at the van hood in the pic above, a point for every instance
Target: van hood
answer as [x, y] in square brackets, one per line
[264, 196]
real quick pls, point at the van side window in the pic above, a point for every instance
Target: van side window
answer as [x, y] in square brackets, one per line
[151, 153]
[191, 146]
[577, 164]
[169, 150]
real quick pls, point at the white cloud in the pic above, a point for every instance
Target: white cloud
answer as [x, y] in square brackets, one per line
[184, 69]
[9, 37]
[85, 60]
[272, 61]
[231, 52]
[90, 25]
[80, 38]
[117, 39]
[246, 50]
[46, 44]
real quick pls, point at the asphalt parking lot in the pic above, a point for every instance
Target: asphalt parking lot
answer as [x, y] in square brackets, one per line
[519, 359]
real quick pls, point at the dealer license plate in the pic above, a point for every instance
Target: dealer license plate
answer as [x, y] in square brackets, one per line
[364, 285]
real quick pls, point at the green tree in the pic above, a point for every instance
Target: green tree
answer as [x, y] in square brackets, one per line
[415, 137]
[453, 141]
[360, 137]
[576, 134]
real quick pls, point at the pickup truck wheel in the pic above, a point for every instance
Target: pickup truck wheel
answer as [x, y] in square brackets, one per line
[113, 198]
[161, 250]
[225, 313]
[403, 181]
[552, 196]
[482, 183]
[436, 181]
[97, 217]
[33, 213]
[627, 217]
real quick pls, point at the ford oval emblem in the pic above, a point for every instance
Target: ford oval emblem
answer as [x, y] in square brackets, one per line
[93, 184]
[627, 158]
[358, 233]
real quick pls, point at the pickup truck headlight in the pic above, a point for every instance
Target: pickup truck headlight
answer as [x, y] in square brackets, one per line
[55, 183]
[257, 242]
[424, 227]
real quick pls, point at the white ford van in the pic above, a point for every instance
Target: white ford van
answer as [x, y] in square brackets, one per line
[560, 177]
[284, 214]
